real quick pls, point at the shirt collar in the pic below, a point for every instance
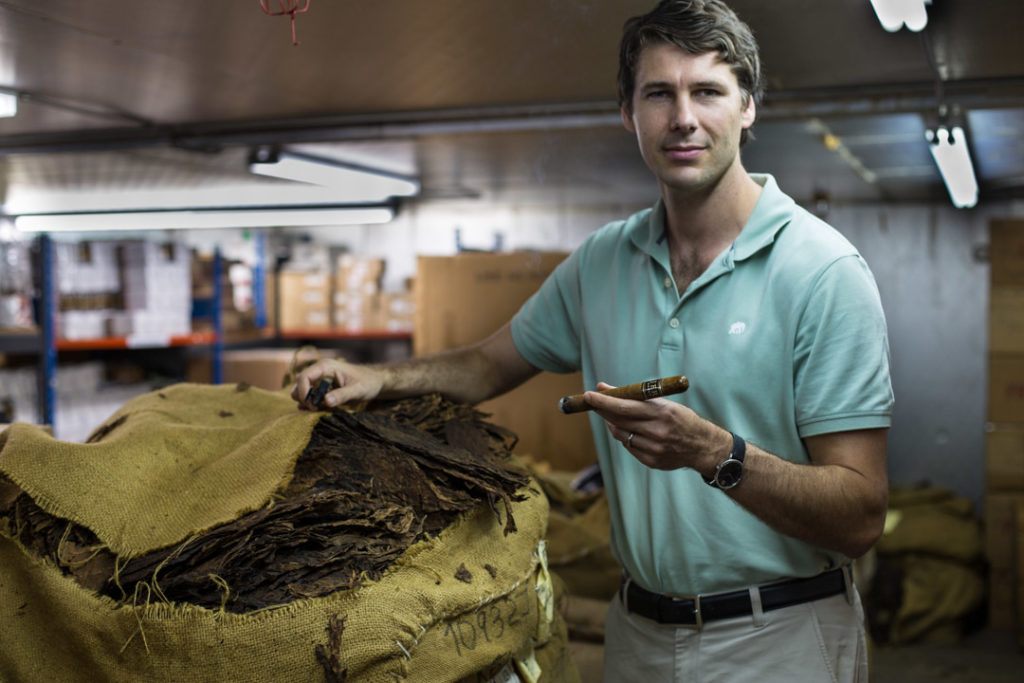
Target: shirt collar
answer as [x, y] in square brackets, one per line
[771, 213]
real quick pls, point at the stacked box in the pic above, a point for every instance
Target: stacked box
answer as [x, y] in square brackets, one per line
[20, 388]
[157, 287]
[1004, 437]
[1020, 567]
[88, 283]
[356, 296]
[237, 312]
[15, 285]
[309, 257]
[87, 268]
[303, 301]
[397, 311]
[355, 312]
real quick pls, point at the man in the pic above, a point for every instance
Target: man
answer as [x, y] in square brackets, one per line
[776, 321]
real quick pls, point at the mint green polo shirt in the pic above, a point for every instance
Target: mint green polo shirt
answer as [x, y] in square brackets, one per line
[782, 337]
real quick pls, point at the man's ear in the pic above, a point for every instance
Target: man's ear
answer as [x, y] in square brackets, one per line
[627, 119]
[750, 113]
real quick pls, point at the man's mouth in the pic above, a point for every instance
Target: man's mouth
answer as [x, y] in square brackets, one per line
[683, 152]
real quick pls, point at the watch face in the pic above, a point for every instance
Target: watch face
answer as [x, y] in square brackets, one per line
[729, 474]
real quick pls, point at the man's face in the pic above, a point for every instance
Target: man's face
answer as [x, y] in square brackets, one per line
[687, 116]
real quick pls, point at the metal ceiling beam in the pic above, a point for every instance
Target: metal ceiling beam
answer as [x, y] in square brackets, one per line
[778, 105]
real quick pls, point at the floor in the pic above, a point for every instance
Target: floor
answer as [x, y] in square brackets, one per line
[984, 657]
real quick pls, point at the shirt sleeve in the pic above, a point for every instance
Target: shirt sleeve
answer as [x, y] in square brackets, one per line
[841, 355]
[546, 329]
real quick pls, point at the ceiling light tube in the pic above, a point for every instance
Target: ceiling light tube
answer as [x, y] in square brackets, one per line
[949, 149]
[894, 14]
[242, 217]
[8, 104]
[355, 183]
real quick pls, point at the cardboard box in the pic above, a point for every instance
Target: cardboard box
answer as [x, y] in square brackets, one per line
[462, 299]
[358, 274]
[309, 257]
[304, 301]
[397, 311]
[1003, 519]
[266, 368]
[1000, 529]
[356, 312]
[1002, 608]
[1006, 253]
[1004, 457]
[1006, 320]
[1006, 387]
[1020, 573]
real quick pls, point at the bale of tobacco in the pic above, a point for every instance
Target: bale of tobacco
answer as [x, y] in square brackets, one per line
[215, 532]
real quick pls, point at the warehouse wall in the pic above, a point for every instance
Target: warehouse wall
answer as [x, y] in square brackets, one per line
[932, 273]
[931, 266]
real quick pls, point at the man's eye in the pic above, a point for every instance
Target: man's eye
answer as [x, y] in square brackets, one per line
[656, 94]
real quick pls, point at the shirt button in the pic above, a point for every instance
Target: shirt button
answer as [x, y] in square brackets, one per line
[673, 323]
[668, 282]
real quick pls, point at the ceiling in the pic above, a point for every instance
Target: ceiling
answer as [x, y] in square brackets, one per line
[482, 98]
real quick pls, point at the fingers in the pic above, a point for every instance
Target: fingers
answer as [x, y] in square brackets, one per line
[311, 377]
[622, 407]
[349, 383]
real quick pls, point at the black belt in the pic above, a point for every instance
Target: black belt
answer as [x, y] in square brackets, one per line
[694, 610]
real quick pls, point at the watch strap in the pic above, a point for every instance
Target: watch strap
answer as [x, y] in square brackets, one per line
[738, 453]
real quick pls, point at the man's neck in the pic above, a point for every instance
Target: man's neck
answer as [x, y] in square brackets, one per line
[701, 225]
[715, 215]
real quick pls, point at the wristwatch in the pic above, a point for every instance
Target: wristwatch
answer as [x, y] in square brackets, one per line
[730, 470]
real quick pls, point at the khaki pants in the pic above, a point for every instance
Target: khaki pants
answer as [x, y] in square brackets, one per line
[815, 642]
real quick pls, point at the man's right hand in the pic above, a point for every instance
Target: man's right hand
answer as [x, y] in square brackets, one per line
[350, 383]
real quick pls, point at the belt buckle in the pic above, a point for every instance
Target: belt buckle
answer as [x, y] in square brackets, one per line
[698, 618]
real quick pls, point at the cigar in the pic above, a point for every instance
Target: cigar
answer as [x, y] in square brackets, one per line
[641, 391]
[316, 394]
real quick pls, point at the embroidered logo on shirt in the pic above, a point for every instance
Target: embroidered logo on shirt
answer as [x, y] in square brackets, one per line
[738, 328]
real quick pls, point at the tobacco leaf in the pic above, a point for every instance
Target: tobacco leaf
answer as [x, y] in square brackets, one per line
[9, 492]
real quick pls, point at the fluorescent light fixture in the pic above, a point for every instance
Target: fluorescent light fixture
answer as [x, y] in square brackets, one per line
[894, 14]
[241, 217]
[949, 148]
[8, 104]
[22, 200]
[355, 183]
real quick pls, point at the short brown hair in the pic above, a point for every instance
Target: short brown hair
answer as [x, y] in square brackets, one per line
[697, 26]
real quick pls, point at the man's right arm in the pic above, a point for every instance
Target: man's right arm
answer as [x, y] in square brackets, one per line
[469, 374]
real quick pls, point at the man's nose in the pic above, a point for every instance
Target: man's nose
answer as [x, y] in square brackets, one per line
[683, 114]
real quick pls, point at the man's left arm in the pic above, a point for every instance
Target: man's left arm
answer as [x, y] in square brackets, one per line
[838, 501]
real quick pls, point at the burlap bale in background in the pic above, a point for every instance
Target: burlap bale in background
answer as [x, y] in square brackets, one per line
[468, 601]
[929, 582]
[579, 550]
[579, 534]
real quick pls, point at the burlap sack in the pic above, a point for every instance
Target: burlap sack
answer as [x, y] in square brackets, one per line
[182, 459]
[928, 582]
[469, 601]
[579, 550]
